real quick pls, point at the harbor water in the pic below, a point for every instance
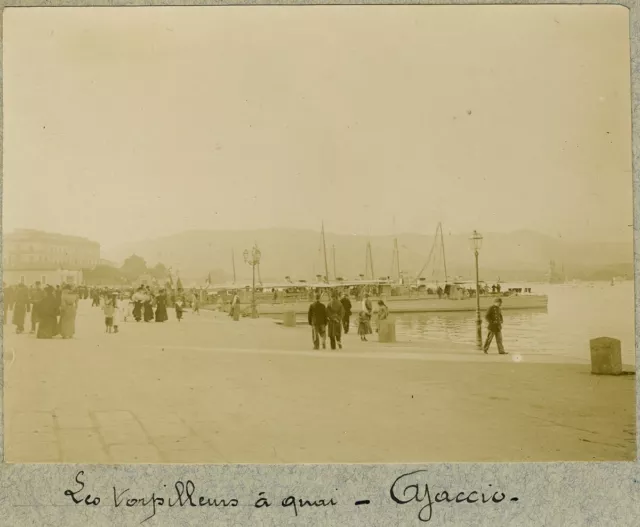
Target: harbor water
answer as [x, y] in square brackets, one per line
[576, 313]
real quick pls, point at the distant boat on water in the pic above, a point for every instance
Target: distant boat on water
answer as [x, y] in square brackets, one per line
[416, 296]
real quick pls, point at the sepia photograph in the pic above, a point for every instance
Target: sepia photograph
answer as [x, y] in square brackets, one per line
[318, 234]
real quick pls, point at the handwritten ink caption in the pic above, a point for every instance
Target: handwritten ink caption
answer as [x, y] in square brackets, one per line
[406, 489]
[184, 494]
[413, 487]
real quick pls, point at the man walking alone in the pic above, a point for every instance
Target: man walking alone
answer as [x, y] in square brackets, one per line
[318, 322]
[494, 319]
[346, 305]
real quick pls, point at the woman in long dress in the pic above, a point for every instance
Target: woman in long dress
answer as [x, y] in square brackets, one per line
[364, 318]
[161, 307]
[48, 315]
[68, 310]
[138, 301]
[20, 308]
[234, 312]
[148, 308]
[383, 313]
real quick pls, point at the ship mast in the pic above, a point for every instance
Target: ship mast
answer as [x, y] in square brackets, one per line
[444, 258]
[435, 241]
[369, 261]
[324, 250]
[397, 254]
[396, 251]
[333, 250]
[233, 262]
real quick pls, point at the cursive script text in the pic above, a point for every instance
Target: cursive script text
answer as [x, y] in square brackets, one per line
[413, 487]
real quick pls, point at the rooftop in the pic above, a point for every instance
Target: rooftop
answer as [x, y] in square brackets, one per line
[33, 234]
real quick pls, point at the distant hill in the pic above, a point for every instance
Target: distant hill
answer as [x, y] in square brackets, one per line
[520, 255]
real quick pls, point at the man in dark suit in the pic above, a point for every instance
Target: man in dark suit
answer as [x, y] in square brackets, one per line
[318, 321]
[346, 304]
[494, 320]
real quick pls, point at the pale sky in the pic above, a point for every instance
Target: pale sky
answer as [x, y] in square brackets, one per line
[129, 123]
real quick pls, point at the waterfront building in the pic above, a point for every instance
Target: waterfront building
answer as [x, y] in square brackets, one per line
[30, 255]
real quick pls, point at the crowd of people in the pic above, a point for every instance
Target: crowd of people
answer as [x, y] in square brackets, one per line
[335, 317]
[51, 311]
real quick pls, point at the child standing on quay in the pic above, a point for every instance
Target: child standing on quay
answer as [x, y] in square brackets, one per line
[179, 309]
[109, 310]
[364, 326]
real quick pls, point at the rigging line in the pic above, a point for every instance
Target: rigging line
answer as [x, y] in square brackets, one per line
[433, 246]
[444, 256]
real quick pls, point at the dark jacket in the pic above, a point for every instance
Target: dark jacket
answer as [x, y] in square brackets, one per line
[335, 310]
[494, 318]
[317, 314]
[346, 304]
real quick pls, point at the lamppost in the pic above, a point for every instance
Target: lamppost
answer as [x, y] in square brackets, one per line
[476, 242]
[253, 259]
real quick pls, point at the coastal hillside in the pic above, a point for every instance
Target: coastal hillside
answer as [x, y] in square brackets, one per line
[521, 255]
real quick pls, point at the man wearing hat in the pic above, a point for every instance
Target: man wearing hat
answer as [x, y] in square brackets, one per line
[317, 317]
[494, 320]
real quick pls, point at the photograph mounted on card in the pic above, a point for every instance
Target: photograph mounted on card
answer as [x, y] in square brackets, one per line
[327, 234]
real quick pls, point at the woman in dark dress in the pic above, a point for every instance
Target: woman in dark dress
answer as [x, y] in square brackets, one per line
[48, 310]
[161, 307]
[138, 299]
[148, 308]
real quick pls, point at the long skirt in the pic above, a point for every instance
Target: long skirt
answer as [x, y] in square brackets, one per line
[364, 326]
[47, 327]
[19, 312]
[137, 311]
[161, 314]
[68, 323]
[148, 312]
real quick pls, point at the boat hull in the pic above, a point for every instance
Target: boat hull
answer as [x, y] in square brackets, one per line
[420, 305]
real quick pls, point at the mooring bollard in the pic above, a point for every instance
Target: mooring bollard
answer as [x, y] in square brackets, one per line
[387, 330]
[606, 357]
[289, 319]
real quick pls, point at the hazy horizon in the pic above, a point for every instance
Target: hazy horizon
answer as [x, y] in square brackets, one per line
[130, 124]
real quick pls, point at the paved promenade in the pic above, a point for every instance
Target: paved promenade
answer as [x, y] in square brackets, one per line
[211, 390]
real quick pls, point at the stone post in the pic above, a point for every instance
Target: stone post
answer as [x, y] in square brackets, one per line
[387, 330]
[289, 319]
[606, 357]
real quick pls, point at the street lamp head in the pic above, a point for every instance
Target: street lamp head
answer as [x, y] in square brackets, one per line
[256, 255]
[476, 241]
